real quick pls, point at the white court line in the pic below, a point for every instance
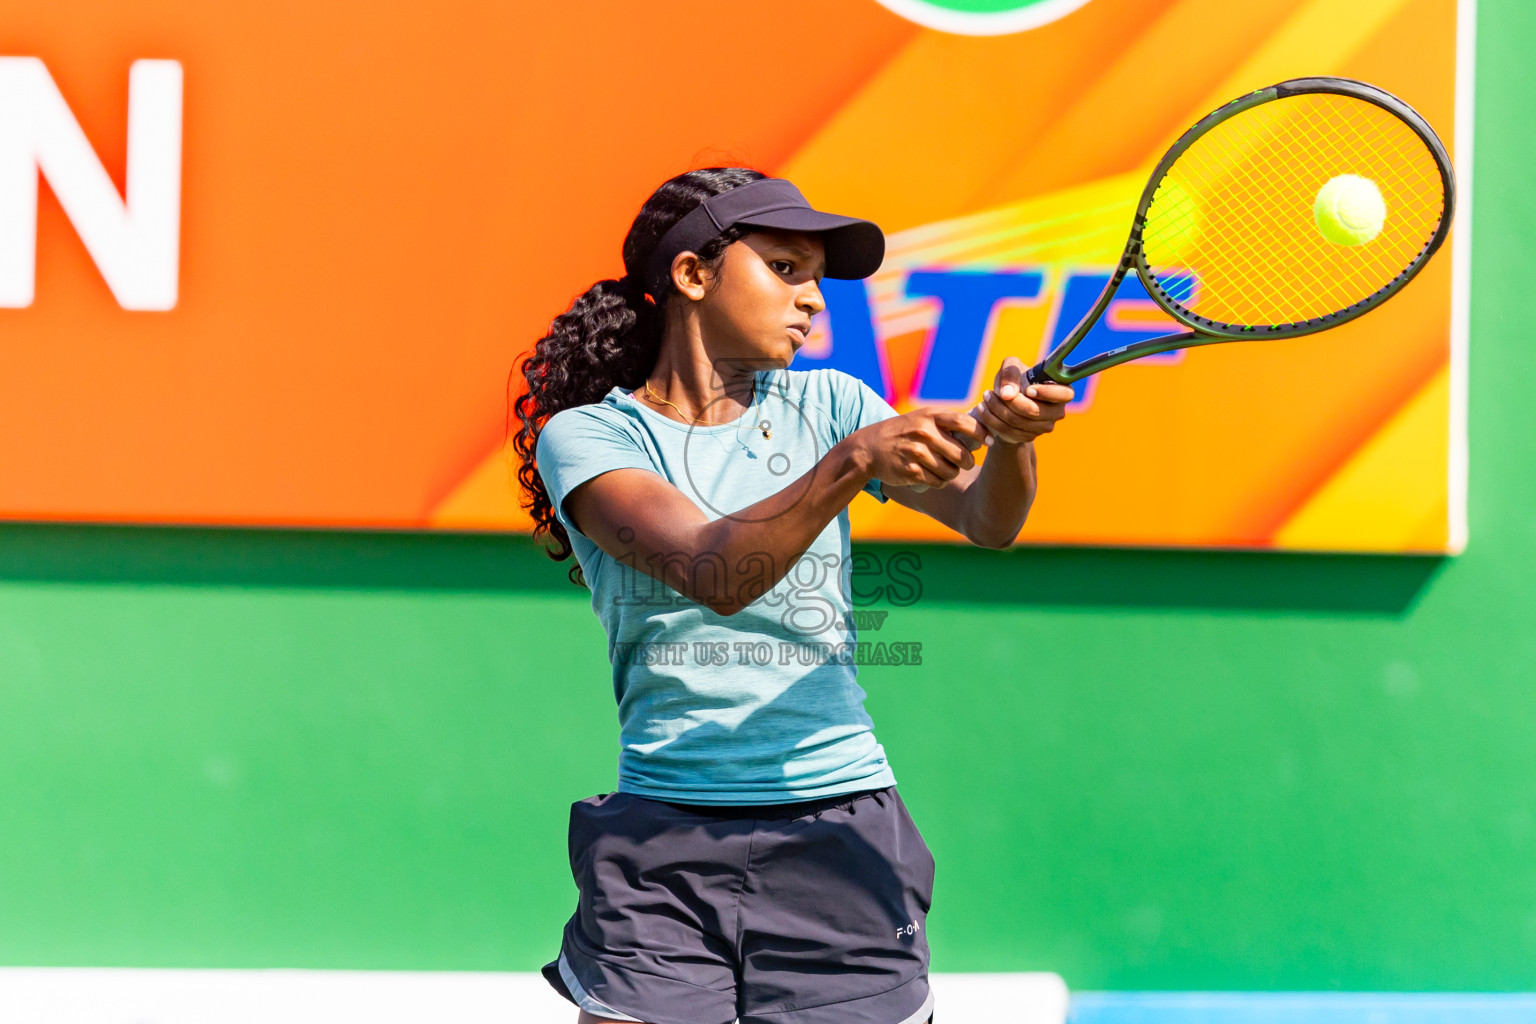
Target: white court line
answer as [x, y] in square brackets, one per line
[115, 995]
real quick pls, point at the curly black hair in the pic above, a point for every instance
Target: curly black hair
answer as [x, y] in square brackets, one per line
[611, 336]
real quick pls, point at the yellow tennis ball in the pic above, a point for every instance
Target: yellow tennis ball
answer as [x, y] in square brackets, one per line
[1349, 210]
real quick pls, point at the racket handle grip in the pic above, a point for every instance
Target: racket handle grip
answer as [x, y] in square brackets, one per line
[968, 443]
[1036, 374]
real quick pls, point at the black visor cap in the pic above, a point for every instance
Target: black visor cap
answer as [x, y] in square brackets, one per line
[855, 248]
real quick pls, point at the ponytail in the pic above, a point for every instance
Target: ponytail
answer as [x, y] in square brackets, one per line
[610, 337]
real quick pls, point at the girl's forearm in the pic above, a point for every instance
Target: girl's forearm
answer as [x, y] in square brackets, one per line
[754, 547]
[1000, 497]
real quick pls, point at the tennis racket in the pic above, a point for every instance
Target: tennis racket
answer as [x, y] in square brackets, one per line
[1226, 238]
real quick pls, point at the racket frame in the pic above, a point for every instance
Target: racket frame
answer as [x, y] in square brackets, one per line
[1202, 330]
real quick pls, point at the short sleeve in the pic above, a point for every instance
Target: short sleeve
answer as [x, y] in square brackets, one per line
[578, 444]
[858, 406]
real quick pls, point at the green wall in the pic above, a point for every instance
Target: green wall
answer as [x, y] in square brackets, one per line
[1141, 769]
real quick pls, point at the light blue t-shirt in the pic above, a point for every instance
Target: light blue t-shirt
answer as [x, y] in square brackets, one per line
[758, 707]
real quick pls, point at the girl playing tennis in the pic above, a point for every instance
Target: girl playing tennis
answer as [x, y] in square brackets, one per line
[755, 862]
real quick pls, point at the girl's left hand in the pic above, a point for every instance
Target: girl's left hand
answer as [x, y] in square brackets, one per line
[1016, 412]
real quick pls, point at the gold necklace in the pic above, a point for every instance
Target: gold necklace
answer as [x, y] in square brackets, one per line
[763, 425]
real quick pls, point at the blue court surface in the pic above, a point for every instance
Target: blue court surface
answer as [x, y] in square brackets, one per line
[1296, 1007]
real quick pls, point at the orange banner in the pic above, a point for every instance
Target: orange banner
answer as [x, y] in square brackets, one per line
[271, 264]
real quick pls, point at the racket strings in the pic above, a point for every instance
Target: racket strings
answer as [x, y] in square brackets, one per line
[1254, 263]
[1241, 183]
[1246, 263]
[1405, 193]
[1184, 212]
[1249, 262]
[1236, 210]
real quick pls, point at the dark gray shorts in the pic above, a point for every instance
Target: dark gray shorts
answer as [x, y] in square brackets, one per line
[804, 913]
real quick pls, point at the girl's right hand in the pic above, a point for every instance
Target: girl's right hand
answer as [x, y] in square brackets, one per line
[916, 447]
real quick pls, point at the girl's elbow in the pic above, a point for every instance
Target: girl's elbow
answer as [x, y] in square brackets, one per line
[995, 540]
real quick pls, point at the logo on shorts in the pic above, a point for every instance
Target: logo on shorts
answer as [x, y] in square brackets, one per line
[908, 930]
